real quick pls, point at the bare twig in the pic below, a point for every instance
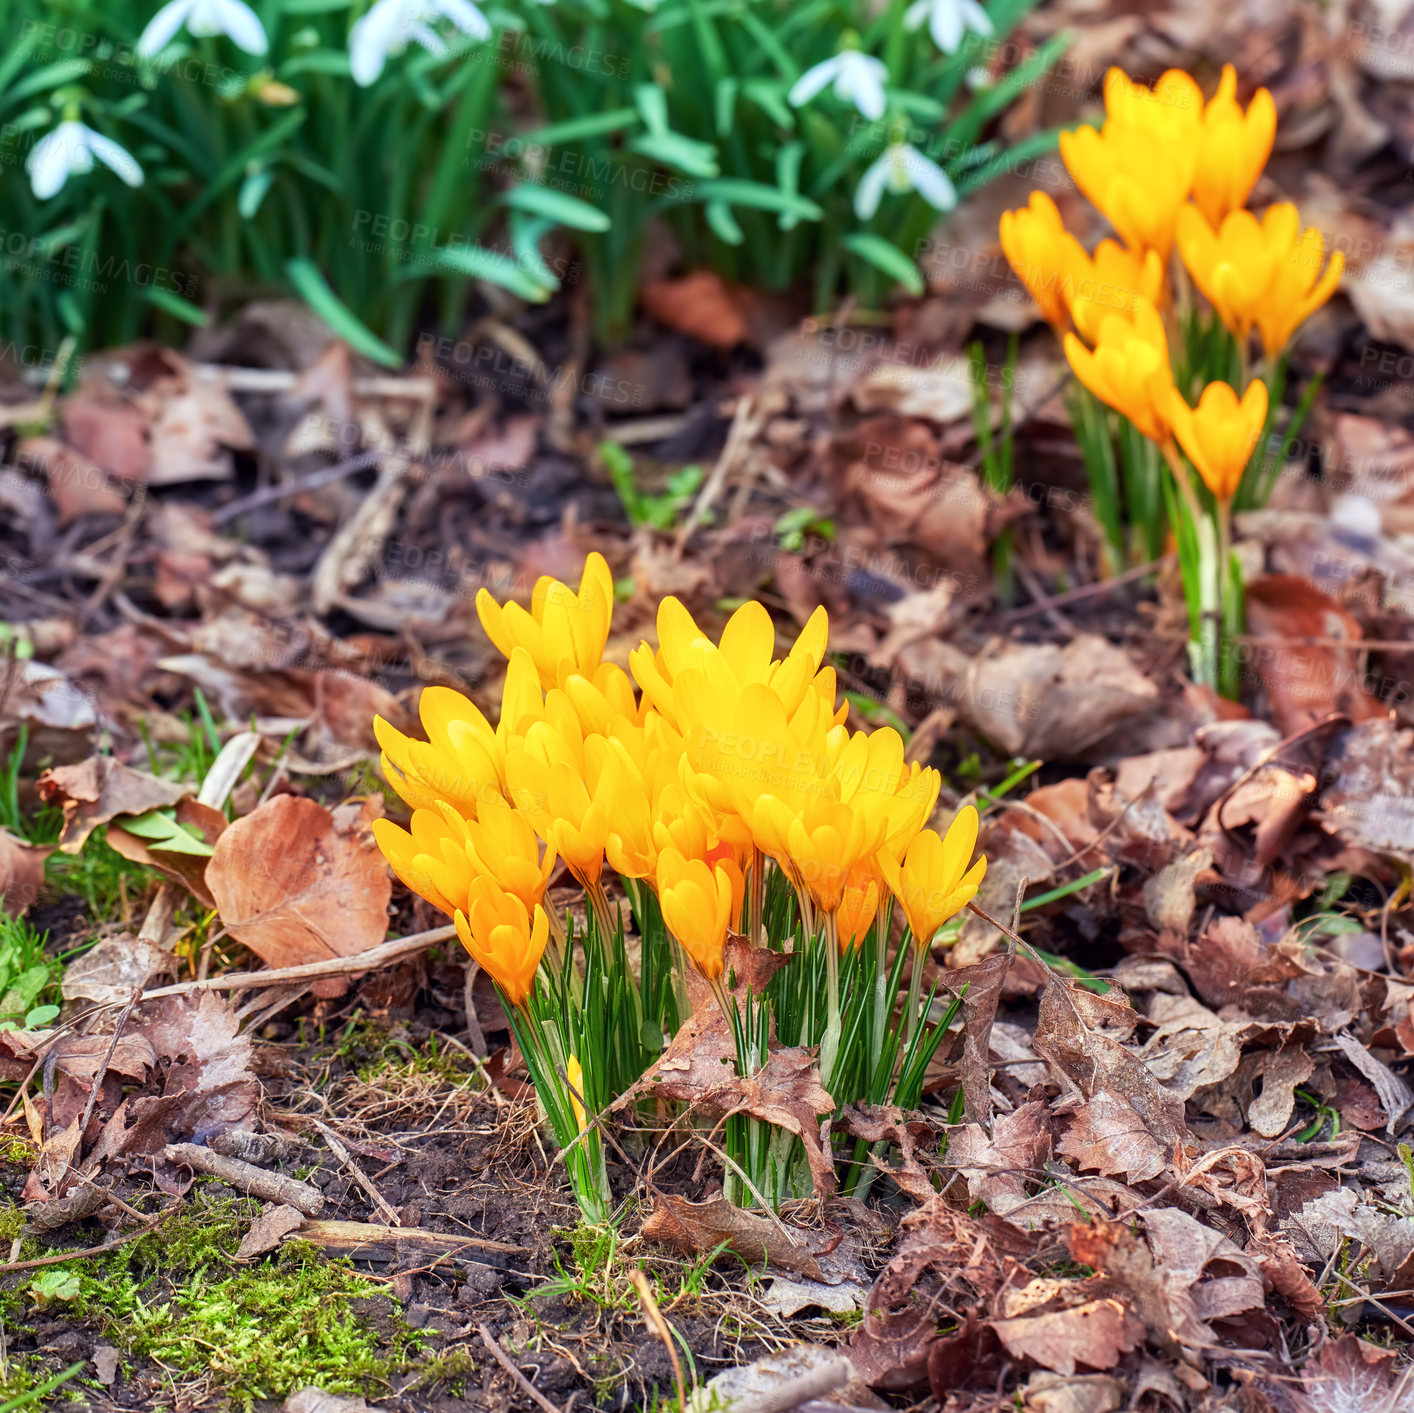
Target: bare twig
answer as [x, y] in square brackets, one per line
[361, 1239]
[1087, 591]
[267, 495]
[336, 1147]
[373, 959]
[653, 1318]
[101, 1250]
[102, 1070]
[273, 1187]
[521, 1382]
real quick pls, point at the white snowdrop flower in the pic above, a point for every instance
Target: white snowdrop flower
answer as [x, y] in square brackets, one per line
[903, 168]
[948, 21]
[858, 79]
[71, 148]
[204, 18]
[390, 24]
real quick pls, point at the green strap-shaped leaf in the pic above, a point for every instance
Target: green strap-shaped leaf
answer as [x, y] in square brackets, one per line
[884, 255]
[177, 307]
[558, 207]
[313, 288]
[491, 265]
[736, 191]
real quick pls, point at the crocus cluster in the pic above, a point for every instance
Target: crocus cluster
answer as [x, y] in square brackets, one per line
[694, 774]
[1170, 170]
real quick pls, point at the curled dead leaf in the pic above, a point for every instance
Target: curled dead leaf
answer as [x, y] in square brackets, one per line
[295, 885]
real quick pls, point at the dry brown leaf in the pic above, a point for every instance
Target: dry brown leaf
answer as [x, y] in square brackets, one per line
[1107, 1136]
[116, 967]
[998, 1168]
[1037, 699]
[883, 1123]
[1369, 798]
[294, 886]
[696, 1228]
[107, 431]
[970, 1358]
[76, 485]
[268, 1230]
[700, 304]
[1094, 1335]
[1046, 1392]
[206, 1059]
[21, 872]
[1306, 681]
[1350, 1373]
[100, 789]
[1130, 1124]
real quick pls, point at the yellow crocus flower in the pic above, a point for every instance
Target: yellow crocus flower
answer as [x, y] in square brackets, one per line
[1128, 369]
[564, 631]
[1235, 264]
[1220, 433]
[818, 845]
[934, 881]
[1114, 280]
[504, 937]
[574, 1072]
[442, 852]
[701, 900]
[555, 777]
[859, 904]
[1138, 167]
[1297, 290]
[1047, 259]
[461, 762]
[1233, 147]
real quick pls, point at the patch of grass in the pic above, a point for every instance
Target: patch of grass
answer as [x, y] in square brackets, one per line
[595, 1273]
[29, 980]
[258, 1331]
[100, 875]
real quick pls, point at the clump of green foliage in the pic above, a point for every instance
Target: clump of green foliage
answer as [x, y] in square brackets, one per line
[377, 192]
[258, 1331]
[27, 976]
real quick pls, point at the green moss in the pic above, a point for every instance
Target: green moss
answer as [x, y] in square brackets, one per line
[20, 1153]
[257, 1331]
[12, 1217]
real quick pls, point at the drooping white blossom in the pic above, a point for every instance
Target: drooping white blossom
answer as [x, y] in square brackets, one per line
[948, 21]
[900, 169]
[391, 24]
[70, 149]
[858, 79]
[204, 18]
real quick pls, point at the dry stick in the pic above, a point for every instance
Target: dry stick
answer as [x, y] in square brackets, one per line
[801, 1390]
[653, 1317]
[268, 494]
[273, 1187]
[1086, 591]
[504, 1360]
[385, 954]
[474, 1033]
[101, 1072]
[356, 1238]
[100, 1250]
[337, 1148]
